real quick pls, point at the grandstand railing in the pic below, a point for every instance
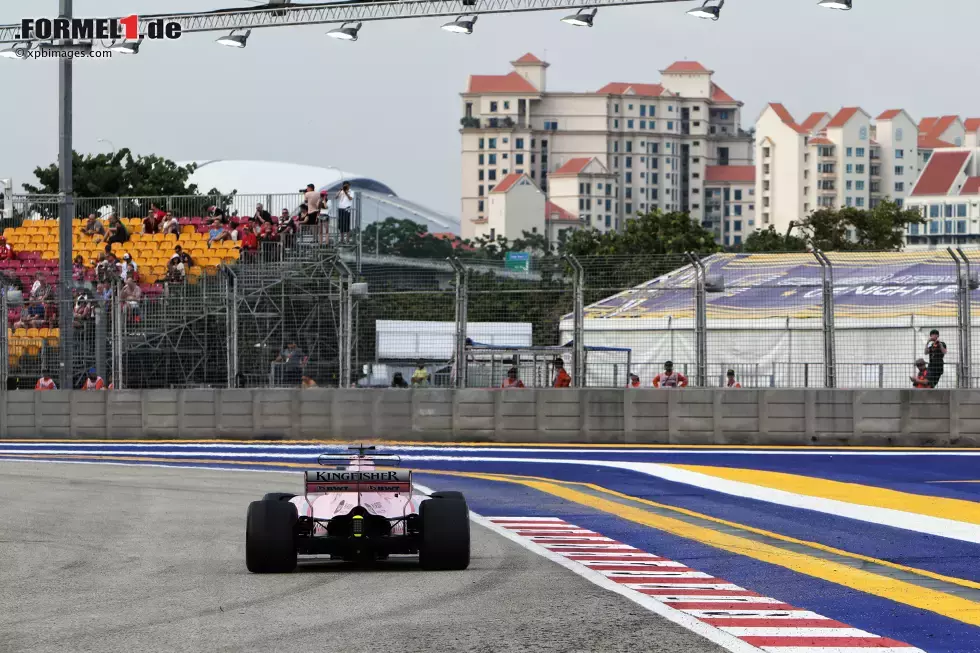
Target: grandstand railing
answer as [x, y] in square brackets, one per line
[844, 320]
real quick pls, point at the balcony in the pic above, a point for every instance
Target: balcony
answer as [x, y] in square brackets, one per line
[505, 122]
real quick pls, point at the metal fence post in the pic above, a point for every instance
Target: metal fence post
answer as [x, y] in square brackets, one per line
[963, 317]
[117, 339]
[462, 319]
[700, 320]
[345, 324]
[829, 345]
[578, 328]
[231, 319]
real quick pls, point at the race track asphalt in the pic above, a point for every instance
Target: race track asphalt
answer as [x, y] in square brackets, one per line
[102, 558]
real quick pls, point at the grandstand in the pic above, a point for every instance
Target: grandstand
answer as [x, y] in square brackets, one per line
[765, 318]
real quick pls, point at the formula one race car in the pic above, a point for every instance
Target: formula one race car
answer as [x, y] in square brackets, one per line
[357, 507]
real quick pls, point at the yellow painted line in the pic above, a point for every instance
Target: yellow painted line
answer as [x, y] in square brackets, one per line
[863, 495]
[732, 543]
[952, 481]
[543, 445]
[899, 591]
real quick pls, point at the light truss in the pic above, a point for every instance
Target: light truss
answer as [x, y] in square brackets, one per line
[343, 12]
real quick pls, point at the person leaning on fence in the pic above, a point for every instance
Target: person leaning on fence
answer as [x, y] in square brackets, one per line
[398, 381]
[312, 200]
[669, 378]
[93, 381]
[562, 378]
[935, 350]
[420, 377]
[45, 383]
[921, 380]
[732, 383]
[512, 381]
[634, 381]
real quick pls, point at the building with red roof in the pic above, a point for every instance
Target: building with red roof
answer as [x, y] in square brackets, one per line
[604, 154]
[947, 193]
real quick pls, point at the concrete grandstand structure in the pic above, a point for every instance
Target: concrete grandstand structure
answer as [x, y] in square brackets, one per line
[765, 319]
[279, 183]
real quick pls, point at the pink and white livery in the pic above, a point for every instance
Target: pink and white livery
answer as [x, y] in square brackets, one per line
[357, 507]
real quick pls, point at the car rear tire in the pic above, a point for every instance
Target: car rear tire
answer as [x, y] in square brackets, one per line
[270, 539]
[445, 534]
[278, 496]
[448, 494]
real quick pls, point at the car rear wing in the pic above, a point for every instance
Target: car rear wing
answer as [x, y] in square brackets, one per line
[373, 480]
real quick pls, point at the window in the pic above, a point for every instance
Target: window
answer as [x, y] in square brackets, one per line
[629, 177]
[899, 186]
[615, 146]
[629, 162]
[630, 107]
[738, 211]
[506, 104]
[859, 168]
[616, 124]
[629, 124]
[860, 201]
[958, 141]
[551, 125]
[652, 111]
[961, 226]
[518, 159]
[765, 153]
[493, 159]
[934, 226]
[850, 168]
[859, 152]
[933, 210]
[899, 170]
[859, 185]
[643, 124]
[850, 151]
[480, 193]
[850, 201]
[863, 134]
[629, 146]
[493, 143]
[898, 134]
[670, 127]
[481, 174]
[738, 225]
[616, 108]
[899, 154]
[643, 110]
[481, 159]
[492, 175]
[480, 206]
[738, 195]
[493, 107]
[670, 107]
[949, 210]
[519, 143]
[961, 210]
[481, 145]
[848, 185]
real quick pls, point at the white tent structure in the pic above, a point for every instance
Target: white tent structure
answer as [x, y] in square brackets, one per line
[765, 319]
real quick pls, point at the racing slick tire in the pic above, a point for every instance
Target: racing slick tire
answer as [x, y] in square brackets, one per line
[447, 494]
[278, 496]
[270, 540]
[445, 534]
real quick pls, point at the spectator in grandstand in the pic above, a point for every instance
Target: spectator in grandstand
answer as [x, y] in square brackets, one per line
[267, 233]
[83, 308]
[93, 381]
[151, 223]
[250, 241]
[78, 269]
[935, 350]
[732, 383]
[305, 217]
[420, 377]
[131, 295]
[921, 380]
[215, 231]
[184, 257]
[312, 200]
[291, 363]
[94, 227]
[512, 381]
[40, 289]
[170, 225]
[634, 381]
[45, 383]
[286, 224]
[6, 251]
[562, 378]
[175, 270]
[669, 378]
[345, 200]
[217, 212]
[261, 214]
[103, 291]
[117, 232]
[128, 268]
[157, 213]
[398, 381]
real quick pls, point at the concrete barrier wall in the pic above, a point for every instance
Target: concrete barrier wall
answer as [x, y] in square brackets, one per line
[688, 416]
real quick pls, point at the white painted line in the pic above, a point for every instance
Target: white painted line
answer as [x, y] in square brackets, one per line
[799, 632]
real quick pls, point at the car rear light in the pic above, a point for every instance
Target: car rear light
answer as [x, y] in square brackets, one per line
[358, 525]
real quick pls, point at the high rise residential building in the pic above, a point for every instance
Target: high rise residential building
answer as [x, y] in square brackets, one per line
[831, 161]
[605, 155]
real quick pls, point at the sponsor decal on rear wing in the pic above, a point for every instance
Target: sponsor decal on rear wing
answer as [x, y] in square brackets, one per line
[359, 481]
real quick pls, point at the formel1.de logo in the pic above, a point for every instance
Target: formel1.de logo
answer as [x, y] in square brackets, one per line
[83, 29]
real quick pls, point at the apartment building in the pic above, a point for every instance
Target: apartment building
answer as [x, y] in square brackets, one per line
[730, 202]
[649, 144]
[831, 161]
[517, 206]
[947, 193]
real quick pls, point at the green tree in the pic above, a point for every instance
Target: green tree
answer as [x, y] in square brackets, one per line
[853, 229]
[119, 174]
[404, 238]
[770, 240]
[653, 233]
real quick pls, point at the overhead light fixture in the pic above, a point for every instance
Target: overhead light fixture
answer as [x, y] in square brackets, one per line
[345, 33]
[707, 11]
[15, 51]
[461, 25]
[234, 40]
[126, 47]
[581, 19]
[844, 5]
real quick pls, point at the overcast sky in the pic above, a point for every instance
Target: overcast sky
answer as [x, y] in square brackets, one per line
[388, 105]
